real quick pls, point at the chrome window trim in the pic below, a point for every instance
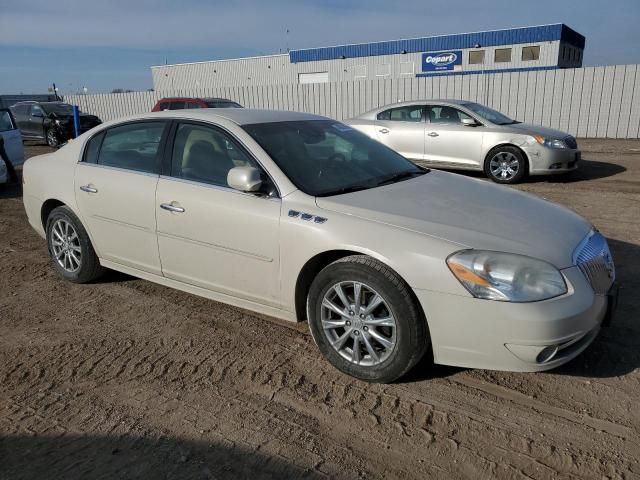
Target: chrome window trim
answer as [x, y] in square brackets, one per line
[216, 187]
[119, 169]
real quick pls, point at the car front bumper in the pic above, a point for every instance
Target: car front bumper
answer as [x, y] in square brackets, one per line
[476, 333]
[550, 161]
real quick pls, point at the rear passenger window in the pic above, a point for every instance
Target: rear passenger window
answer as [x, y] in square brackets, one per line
[193, 105]
[133, 147]
[92, 148]
[411, 113]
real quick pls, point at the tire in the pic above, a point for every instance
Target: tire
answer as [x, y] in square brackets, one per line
[500, 162]
[66, 243]
[409, 334]
[51, 137]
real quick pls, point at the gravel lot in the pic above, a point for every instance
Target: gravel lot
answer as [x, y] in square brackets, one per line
[127, 379]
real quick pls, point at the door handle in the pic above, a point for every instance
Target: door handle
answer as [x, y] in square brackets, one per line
[383, 130]
[171, 208]
[433, 134]
[88, 189]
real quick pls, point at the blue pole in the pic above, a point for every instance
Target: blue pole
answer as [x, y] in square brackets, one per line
[76, 121]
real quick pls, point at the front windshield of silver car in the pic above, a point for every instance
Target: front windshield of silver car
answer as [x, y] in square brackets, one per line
[324, 157]
[489, 114]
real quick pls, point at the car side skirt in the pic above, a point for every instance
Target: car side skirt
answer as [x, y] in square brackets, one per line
[203, 292]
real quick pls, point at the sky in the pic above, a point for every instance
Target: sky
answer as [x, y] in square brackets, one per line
[108, 44]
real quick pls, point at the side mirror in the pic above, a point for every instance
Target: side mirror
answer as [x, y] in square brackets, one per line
[37, 114]
[470, 122]
[244, 179]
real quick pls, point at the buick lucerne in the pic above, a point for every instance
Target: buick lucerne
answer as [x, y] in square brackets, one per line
[300, 217]
[462, 135]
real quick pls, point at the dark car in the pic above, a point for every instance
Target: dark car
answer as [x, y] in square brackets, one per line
[50, 121]
[181, 103]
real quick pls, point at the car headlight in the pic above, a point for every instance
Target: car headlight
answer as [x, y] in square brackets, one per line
[506, 277]
[550, 142]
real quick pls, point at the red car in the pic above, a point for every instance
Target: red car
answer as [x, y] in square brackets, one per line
[180, 103]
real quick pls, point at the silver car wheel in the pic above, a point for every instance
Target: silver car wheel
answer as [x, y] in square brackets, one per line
[65, 246]
[52, 139]
[358, 323]
[504, 165]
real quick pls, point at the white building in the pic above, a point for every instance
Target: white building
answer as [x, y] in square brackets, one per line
[542, 47]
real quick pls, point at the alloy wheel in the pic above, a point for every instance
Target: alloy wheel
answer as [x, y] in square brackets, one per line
[52, 139]
[65, 246]
[358, 323]
[504, 165]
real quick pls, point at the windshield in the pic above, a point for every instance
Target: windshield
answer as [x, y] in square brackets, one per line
[222, 104]
[489, 114]
[57, 108]
[324, 157]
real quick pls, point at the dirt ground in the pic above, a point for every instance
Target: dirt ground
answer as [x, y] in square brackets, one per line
[127, 379]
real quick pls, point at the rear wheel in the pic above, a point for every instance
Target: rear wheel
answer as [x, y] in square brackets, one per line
[70, 249]
[365, 321]
[506, 164]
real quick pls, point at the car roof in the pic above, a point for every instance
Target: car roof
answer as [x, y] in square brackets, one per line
[240, 116]
[438, 101]
[205, 99]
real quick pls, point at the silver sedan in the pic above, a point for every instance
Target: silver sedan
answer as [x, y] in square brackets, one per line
[458, 134]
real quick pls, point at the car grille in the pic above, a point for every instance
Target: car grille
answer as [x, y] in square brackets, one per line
[571, 142]
[594, 260]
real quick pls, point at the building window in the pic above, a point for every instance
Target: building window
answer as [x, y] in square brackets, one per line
[406, 68]
[316, 77]
[503, 55]
[476, 57]
[530, 53]
[383, 70]
[360, 71]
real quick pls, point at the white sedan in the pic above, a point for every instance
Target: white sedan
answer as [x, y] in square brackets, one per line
[301, 217]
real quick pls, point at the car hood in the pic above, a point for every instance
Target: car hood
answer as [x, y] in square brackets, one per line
[472, 213]
[526, 129]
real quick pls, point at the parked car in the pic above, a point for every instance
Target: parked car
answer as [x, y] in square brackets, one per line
[457, 134]
[298, 216]
[181, 103]
[51, 122]
[11, 143]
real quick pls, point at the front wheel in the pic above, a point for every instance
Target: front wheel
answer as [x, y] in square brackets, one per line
[506, 164]
[52, 138]
[365, 321]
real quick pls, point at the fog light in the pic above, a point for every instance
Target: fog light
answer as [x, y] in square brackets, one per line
[555, 166]
[547, 354]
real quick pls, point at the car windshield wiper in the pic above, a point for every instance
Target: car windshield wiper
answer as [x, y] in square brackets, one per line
[401, 176]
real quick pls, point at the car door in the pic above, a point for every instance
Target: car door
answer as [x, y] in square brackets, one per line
[403, 130]
[115, 184]
[209, 234]
[448, 141]
[35, 124]
[12, 139]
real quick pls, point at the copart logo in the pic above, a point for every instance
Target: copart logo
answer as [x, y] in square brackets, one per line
[441, 59]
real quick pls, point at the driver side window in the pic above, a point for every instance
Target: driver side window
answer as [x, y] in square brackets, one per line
[36, 111]
[204, 154]
[445, 114]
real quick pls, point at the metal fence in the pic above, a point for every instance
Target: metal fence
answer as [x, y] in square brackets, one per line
[594, 102]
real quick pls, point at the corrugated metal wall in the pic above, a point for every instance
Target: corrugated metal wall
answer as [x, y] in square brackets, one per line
[586, 102]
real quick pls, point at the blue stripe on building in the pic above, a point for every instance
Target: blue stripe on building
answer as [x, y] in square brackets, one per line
[479, 72]
[544, 33]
